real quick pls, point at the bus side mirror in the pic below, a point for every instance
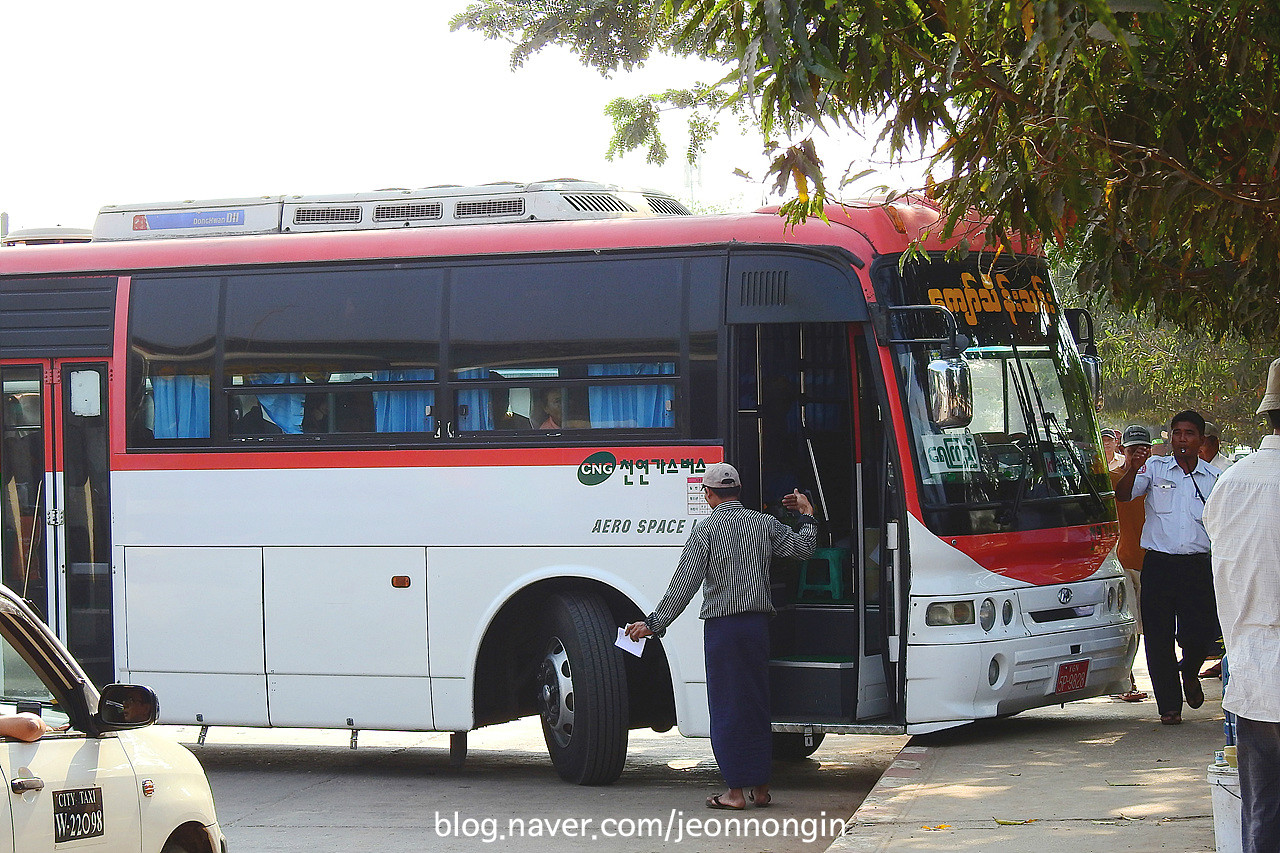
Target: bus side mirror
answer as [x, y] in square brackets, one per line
[1093, 375]
[950, 392]
[1080, 322]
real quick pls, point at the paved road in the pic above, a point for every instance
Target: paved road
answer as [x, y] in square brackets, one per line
[281, 791]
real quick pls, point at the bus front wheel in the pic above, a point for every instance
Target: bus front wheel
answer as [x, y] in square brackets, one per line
[790, 746]
[582, 691]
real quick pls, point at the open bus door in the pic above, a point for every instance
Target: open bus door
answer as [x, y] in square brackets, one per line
[808, 414]
[55, 541]
[805, 422]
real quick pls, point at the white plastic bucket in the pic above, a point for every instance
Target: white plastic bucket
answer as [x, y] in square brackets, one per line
[1224, 784]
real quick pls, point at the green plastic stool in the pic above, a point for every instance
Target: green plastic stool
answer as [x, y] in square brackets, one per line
[823, 573]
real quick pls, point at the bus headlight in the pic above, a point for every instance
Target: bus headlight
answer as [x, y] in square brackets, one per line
[987, 614]
[1111, 599]
[949, 613]
[1006, 612]
[1120, 597]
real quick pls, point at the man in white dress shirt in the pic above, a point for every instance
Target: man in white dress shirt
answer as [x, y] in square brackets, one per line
[1177, 576]
[1243, 520]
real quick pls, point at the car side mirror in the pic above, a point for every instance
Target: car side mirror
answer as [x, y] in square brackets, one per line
[950, 392]
[127, 706]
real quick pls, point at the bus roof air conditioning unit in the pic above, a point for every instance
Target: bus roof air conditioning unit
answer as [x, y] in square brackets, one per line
[428, 207]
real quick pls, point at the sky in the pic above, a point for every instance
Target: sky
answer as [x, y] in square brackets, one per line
[122, 101]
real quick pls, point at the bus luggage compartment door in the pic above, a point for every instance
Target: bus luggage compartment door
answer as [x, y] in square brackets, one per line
[346, 637]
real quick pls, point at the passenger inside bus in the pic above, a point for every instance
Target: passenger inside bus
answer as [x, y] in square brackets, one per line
[315, 413]
[556, 409]
[550, 411]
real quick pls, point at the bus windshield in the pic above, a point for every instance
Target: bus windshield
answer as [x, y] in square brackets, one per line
[1030, 457]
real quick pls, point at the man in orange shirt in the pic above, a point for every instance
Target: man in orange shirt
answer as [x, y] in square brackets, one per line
[1136, 441]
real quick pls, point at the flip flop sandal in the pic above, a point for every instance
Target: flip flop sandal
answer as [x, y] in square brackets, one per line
[762, 803]
[716, 803]
[1170, 719]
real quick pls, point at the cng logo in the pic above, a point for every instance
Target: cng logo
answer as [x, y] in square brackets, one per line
[597, 468]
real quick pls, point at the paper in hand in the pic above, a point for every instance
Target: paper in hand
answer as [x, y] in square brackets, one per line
[635, 647]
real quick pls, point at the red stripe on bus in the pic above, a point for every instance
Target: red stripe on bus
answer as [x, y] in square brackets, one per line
[900, 434]
[430, 457]
[1060, 555]
[116, 386]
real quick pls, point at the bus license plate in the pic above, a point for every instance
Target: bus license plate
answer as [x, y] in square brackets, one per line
[1072, 676]
[77, 814]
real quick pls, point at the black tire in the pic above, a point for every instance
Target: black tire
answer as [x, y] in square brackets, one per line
[582, 691]
[790, 746]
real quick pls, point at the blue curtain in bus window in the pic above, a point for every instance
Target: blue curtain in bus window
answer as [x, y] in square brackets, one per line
[181, 406]
[474, 411]
[631, 406]
[285, 410]
[404, 410]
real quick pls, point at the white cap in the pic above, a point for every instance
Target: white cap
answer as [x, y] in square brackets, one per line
[721, 475]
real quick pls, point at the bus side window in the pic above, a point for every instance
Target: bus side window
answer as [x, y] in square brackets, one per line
[172, 327]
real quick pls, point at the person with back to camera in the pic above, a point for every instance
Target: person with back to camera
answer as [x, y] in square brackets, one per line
[728, 556]
[1177, 578]
[1243, 520]
[1136, 441]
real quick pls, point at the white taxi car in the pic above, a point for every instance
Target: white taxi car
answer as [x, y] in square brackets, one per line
[94, 781]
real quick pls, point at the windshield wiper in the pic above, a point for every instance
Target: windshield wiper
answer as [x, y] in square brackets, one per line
[1010, 515]
[1051, 421]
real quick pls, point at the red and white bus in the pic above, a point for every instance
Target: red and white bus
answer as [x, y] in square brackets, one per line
[406, 460]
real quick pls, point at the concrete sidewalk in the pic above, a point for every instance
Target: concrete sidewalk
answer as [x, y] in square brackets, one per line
[1099, 775]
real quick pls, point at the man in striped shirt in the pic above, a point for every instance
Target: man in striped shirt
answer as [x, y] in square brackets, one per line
[728, 556]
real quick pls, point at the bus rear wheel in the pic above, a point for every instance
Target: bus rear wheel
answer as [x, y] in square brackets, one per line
[582, 691]
[790, 746]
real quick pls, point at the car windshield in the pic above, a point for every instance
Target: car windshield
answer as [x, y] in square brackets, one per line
[1033, 438]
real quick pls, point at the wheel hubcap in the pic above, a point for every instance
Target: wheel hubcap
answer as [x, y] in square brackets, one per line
[555, 692]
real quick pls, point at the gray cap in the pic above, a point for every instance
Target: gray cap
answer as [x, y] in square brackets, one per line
[1111, 433]
[1211, 429]
[1136, 434]
[721, 475]
[1271, 399]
